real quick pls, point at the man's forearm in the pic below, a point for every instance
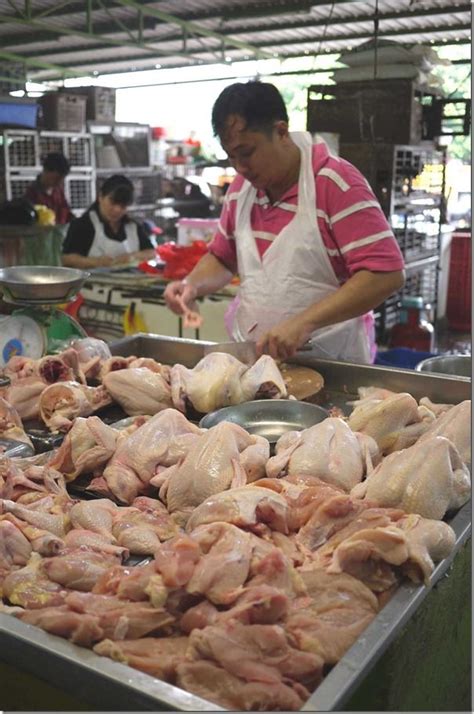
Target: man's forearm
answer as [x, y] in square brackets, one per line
[361, 293]
[209, 275]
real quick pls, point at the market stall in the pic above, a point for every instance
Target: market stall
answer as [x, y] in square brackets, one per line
[107, 298]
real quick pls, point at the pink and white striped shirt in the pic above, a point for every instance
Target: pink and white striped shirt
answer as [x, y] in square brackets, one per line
[352, 225]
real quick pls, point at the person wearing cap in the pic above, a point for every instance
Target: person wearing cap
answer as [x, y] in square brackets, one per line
[48, 188]
[304, 232]
[105, 235]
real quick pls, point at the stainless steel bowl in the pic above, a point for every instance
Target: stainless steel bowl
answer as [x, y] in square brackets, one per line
[41, 283]
[458, 365]
[269, 417]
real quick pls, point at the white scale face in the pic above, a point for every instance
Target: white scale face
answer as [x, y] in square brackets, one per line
[21, 336]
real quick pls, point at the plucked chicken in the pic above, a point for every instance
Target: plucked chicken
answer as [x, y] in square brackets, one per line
[329, 451]
[428, 478]
[220, 380]
[139, 390]
[161, 442]
[212, 465]
[61, 403]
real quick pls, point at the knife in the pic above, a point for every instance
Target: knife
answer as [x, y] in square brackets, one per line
[244, 351]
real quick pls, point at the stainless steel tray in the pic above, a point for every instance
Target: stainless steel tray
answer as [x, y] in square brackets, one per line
[98, 679]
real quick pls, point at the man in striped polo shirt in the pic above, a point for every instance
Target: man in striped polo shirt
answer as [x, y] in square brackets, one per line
[302, 228]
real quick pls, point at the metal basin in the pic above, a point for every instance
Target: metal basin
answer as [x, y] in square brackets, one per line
[459, 365]
[269, 418]
[41, 283]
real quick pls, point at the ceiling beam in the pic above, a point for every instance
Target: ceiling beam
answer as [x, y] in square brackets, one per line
[114, 70]
[192, 27]
[107, 40]
[100, 29]
[313, 22]
[109, 66]
[275, 44]
[24, 39]
[368, 34]
[34, 62]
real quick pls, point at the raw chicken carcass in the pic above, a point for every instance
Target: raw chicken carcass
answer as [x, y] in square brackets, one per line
[78, 568]
[50, 369]
[153, 365]
[329, 451]
[261, 653]
[61, 403]
[19, 367]
[142, 532]
[337, 608]
[114, 364]
[207, 680]
[89, 444]
[53, 522]
[212, 465]
[30, 588]
[263, 380]
[63, 367]
[455, 425]
[246, 507]
[224, 566]
[157, 656]
[15, 548]
[23, 395]
[220, 380]
[96, 516]
[213, 383]
[160, 442]
[139, 390]
[385, 420]
[435, 407]
[11, 426]
[429, 541]
[429, 478]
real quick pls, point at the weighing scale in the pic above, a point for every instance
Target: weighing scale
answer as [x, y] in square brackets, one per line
[38, 327]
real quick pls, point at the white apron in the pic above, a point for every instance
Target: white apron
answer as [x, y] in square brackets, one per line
[294, 273]
[103, 245]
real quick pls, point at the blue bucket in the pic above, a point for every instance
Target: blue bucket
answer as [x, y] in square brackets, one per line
[401, 357]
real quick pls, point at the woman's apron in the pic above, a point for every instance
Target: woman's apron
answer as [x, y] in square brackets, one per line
[103, 245]
[294, 273]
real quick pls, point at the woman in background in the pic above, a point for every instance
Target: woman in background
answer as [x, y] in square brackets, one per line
[105, 235]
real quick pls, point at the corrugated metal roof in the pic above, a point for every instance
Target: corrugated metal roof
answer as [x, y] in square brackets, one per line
[121, 34]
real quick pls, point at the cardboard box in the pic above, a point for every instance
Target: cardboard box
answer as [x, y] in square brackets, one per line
[63, 112]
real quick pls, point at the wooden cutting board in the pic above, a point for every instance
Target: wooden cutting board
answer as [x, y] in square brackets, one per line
[302, 382]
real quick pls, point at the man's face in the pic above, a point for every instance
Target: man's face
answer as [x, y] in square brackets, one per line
[256, 156]
[52, 179]
[111, 212]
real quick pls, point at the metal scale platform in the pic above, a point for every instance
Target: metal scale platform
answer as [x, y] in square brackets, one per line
[38, 327]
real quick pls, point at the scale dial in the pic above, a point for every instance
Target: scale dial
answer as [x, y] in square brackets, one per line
[20, 335]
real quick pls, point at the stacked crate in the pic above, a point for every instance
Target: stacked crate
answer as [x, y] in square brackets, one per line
[21, 159]
[385, 130]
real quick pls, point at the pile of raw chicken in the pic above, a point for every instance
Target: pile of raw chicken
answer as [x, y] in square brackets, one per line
[257, 573]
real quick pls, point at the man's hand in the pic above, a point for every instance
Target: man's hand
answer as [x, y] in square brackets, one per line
[282, 341]
[180, 296]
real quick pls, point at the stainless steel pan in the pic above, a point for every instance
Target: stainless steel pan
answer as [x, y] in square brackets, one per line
[41, 283]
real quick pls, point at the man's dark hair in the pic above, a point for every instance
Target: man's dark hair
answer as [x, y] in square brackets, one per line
[119, 189]
[260, 105]
[56, 162]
